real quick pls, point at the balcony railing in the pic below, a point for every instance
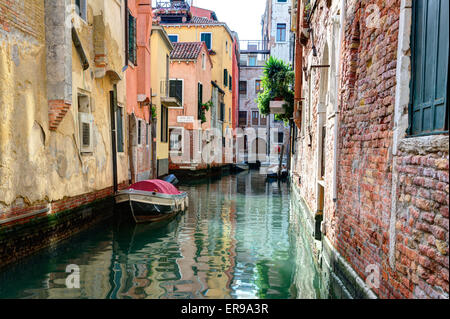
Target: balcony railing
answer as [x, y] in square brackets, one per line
[174, 4]
[254, 47]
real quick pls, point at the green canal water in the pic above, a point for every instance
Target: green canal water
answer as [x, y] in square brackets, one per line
[239, 239]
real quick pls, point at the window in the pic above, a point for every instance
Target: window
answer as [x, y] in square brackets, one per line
[119, 125]
[203, 61]
[255, 117]
[81, 6]
[200, 99]
[176, 90]
[252, 61]
[173, 38]
[243, 87]
[231, 82]
[226, 46]
[258, 86]
[243, 118]
[139, 134]
[262, 120]
[281, 1]
[164, 123]
[132, 46]
[207, 38]
[281, 32]
[280, 137]
[176, 140]
[85, 120]
[147, 127]
[430, 51]
[222, 111]
[225, 77]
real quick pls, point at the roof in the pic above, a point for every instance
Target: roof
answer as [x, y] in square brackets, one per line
[163, 34]
[201, 21]
[187, 50]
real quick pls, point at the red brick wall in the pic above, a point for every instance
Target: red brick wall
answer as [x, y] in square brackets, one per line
[422, 225]
[360, 226]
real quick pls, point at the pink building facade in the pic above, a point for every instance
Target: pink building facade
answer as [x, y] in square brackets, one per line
[138, 78]
[190, 74]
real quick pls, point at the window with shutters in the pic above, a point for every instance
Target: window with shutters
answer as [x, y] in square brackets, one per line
[199, 99]
[262, 119]
[428, 112]
[243, 87]
[132, 43]
[222, 111]
[225, 77]
[164, 124]
[176, 90]
[139, 133]
[242, 118]
[207, 38]
[119, 126]
[231, 82]
[255, 117]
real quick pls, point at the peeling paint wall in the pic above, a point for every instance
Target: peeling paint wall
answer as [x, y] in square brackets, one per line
[38, 165]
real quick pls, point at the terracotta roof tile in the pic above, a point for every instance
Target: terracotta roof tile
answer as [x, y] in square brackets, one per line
[186, 50]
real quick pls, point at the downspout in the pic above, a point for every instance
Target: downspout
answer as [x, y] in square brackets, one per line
[336, 105]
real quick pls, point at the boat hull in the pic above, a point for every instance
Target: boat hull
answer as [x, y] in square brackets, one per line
[150, 207]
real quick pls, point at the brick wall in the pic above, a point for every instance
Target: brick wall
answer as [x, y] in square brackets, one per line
[64, 218]
[24, 16]
[422, 224]
[392, 210]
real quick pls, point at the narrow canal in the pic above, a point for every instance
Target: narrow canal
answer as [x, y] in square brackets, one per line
[236, 241]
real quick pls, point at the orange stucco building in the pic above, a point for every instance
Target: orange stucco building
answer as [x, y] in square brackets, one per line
[190, 74]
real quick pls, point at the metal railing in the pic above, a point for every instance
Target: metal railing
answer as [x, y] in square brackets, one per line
[254, 46]
[174, 4]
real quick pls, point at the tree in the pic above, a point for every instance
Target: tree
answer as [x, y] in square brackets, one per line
[277, 83]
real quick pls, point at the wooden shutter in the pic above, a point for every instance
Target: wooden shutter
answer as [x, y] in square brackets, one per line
[430, 51]
[132, 46]
[119, 120]
[200, 99]
[225, 77]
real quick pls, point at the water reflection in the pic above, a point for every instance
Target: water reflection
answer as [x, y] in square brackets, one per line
[234, 242]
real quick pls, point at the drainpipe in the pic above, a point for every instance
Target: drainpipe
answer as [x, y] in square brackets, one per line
[336, 107]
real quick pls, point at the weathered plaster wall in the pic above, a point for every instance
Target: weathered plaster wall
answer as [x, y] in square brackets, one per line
[36, 164]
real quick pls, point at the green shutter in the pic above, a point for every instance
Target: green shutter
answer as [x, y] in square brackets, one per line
[430, 51]
[200, 99]
[132, 43]
[119, 120]
[225, 77]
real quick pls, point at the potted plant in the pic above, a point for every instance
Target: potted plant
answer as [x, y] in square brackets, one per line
[277, 96]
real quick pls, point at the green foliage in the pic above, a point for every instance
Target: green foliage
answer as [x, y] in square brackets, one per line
[154, 112]
[205, 108]
[277, 83]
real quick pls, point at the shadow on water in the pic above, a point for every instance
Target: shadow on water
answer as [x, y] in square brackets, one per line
[235, 241]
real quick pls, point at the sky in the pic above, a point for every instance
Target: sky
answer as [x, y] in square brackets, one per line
[242, 16]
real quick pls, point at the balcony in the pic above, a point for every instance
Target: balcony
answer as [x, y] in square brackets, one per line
[254, 47]
[171, 93]
[174, 4]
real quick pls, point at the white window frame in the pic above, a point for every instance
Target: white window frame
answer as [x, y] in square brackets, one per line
[180, 128]
[182, 93]
[203, 61]
[212, 42]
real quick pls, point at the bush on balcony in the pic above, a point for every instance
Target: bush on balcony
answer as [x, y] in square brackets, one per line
[277, 83]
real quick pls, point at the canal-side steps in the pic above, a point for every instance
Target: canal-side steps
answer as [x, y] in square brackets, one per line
[339, 279]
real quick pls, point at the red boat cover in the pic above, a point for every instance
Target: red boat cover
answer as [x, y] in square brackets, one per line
[157, 186]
